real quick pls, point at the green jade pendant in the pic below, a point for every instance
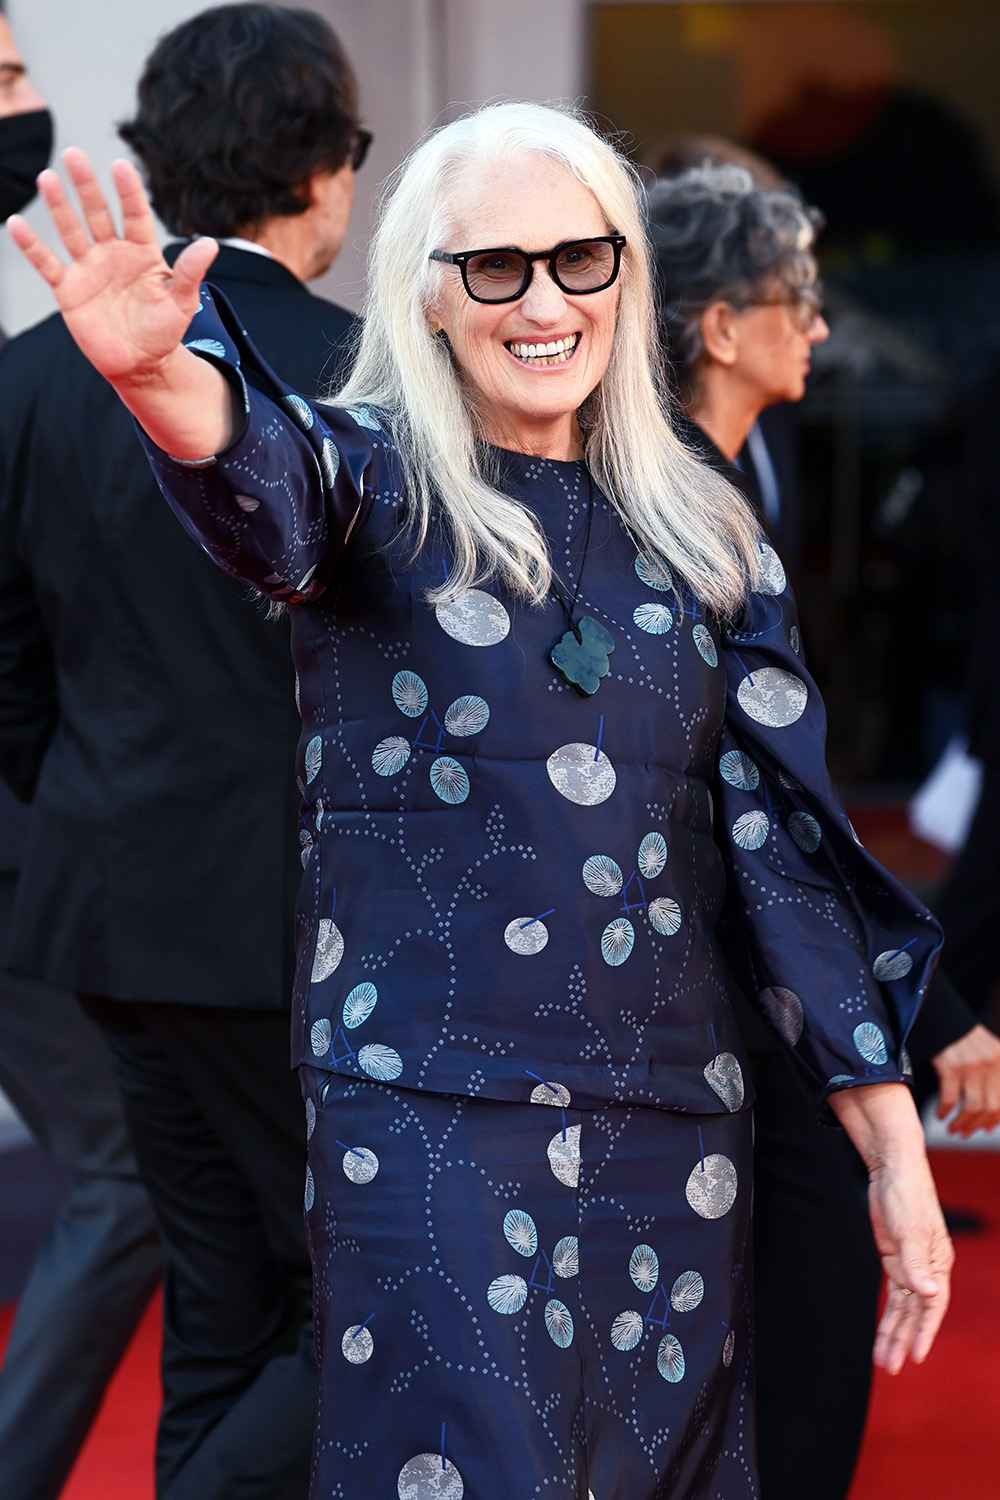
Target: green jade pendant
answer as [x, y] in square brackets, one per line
[582, 655]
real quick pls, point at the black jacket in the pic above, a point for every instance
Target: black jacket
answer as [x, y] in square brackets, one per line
[146, 703]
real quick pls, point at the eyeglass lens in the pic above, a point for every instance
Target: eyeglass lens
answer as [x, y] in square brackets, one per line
[358, 150]
[499, 275]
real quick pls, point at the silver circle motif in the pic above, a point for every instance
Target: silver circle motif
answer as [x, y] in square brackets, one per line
[357, 1345]
[526, 935]
[329, 950]
[429, 1477]
[475, 618]
[773, 697]
[549, 1093]
[770, 573]
[581, 773]
[725, 1077]
[360, 1165]
[564, 1156]
[711, 1187]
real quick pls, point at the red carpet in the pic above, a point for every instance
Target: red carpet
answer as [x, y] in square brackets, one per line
[117, 1460]
[934, 1432]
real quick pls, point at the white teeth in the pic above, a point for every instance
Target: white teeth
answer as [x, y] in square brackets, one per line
[552, 353]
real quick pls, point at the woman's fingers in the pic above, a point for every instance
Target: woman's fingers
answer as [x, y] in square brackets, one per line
[45, 260]
[68, 226]
[190, 267]
[897, 1329]
[92, 200]
[137, 216]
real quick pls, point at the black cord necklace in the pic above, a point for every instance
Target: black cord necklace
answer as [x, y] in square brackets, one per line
[582, 655]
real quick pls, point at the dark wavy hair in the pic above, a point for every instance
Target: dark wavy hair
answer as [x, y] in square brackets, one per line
[237, 109]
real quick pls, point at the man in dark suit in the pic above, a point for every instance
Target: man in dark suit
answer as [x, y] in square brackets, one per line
[161, 864]
[100, 1259]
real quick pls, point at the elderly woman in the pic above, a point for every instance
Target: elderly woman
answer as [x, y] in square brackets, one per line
[553, 722]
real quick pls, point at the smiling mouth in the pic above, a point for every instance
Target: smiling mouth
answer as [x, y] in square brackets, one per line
[556, 352]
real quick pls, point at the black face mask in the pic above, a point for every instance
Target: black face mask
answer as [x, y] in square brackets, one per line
[25, 148]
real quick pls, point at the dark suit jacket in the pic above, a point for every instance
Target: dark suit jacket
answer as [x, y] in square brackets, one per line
[146, 704]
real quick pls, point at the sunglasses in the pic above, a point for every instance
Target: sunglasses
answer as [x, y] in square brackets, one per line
[804, 303]
[577, 267]
[358, 148]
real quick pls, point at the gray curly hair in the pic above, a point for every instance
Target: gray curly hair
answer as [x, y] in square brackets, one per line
[720, 236]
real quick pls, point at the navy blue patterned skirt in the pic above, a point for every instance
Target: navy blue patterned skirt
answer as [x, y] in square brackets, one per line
[518, 1300]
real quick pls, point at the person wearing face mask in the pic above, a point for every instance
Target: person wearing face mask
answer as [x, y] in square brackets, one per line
[100, 1259]
[25, 127]
[149, 708]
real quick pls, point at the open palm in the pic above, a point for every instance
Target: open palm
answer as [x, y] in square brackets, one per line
[124, 306]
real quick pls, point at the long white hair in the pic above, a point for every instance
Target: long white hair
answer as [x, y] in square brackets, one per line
[674, 506]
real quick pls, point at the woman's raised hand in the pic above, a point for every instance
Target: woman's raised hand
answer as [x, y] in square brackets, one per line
[122, 303]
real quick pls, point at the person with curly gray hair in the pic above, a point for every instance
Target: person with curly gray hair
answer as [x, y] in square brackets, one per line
[740, 311]
[740, 295]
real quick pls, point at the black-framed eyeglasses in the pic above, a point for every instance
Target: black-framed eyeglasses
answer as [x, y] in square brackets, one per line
[577, 267]
[804, 303]
[358, 149]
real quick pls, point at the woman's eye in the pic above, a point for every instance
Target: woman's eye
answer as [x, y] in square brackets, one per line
[495, 265]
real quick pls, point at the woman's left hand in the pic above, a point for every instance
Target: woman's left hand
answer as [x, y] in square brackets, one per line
[917, 1257]
[910, 1234]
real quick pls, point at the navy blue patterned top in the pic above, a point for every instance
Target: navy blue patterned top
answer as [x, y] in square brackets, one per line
[510, 887]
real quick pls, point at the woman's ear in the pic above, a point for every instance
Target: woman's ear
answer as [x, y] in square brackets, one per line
[720, 333]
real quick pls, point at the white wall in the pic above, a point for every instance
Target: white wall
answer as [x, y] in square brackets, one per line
[418, 61]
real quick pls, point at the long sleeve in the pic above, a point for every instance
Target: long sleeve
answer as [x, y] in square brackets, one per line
[276, 507]
[28, 696]
[833, 949]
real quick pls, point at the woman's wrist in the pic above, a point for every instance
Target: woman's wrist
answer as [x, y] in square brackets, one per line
[882, 1122]
[185, 405]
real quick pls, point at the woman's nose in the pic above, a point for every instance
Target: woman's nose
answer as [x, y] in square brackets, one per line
[819, 329]
[544, 301]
